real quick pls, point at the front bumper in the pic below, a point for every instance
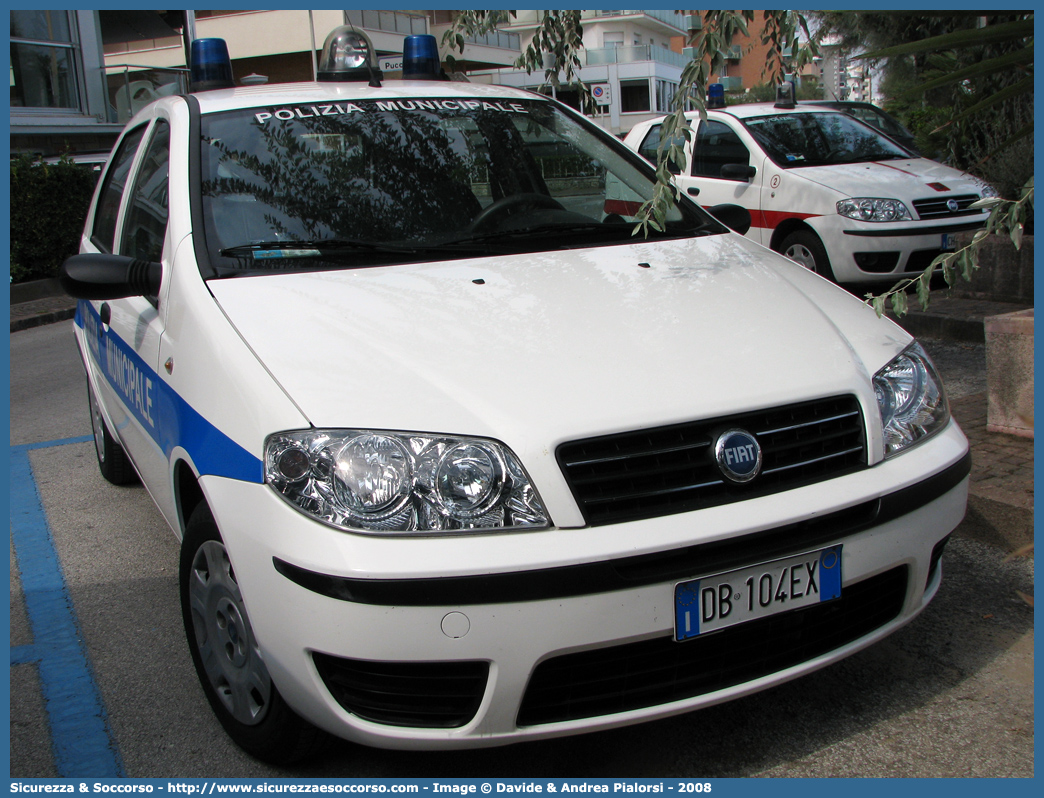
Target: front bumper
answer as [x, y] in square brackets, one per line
[526, 638]
[865, 252]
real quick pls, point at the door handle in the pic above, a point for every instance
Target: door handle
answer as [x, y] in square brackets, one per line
[105, 312]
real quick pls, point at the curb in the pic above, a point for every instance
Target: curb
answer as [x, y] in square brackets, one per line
[50, 317]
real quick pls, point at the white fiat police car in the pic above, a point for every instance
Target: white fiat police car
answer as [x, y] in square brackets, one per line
[456, 459]
[824, 188]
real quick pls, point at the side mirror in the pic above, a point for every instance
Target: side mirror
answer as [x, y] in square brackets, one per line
[98, 276]
[738, 171]
[735, 217]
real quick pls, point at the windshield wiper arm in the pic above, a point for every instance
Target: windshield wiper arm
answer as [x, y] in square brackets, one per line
[307, 248]
[270, 250]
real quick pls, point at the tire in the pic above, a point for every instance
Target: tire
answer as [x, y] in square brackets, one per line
[113, 462]
[805, 248]
[226, 656]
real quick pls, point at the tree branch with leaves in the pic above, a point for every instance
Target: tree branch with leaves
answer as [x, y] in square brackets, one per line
[1013, 61]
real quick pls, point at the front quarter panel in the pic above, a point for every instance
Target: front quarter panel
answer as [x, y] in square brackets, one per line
[224, 402]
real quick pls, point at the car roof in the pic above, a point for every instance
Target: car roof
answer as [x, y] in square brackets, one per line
[844, 104]
[302, 93]
[749, 110]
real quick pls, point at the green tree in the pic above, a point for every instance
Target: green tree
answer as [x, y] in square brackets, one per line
[987, 69]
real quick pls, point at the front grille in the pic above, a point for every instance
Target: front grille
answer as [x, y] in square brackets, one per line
[430, 695]
[654, 472]
[653, 672]
[936, 207]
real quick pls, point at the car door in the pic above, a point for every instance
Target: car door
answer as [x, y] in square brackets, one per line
[123, 334]
[725, 170]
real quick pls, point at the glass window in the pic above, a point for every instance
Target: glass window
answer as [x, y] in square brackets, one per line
[146, 224]
[634, 96]
[665, 92]
[43, 60]
[50, 26]
[716, 145]
[795, 140]
[104, 233]
[377, 182]
[649, 148]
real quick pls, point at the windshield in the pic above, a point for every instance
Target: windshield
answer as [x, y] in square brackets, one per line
[793, 140]
[374, 182]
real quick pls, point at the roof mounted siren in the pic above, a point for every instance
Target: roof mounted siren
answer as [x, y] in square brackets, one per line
[348, 57]
[785, 95]
[716, 95]
[211, 66]
[420, 59]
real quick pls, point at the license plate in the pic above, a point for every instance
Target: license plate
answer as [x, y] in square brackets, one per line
[949, 242]
[717, 602]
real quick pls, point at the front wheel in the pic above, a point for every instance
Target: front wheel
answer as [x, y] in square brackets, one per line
[804, 247]
[226, 655]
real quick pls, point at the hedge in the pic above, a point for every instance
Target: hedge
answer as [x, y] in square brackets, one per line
[49, 204]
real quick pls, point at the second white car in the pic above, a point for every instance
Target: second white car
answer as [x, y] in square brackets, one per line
[825, 189]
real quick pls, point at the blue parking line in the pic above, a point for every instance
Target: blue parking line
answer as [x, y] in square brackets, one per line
[80, 733]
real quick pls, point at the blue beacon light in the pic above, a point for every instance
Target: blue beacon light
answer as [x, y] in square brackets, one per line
[420, 58]
[211, 65]
[716, 95]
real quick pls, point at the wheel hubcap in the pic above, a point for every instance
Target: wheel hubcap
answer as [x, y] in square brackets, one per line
[799, 253]
[230, 655]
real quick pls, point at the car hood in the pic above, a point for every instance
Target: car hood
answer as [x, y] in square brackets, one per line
[907, 180]
[536, 349]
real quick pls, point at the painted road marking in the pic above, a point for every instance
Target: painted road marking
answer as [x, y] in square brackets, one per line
[80, 733]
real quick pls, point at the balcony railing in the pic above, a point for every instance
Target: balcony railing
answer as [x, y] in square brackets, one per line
[497, 38]
[673, 18]
[638, 52]
[389, 21]
[130, 88]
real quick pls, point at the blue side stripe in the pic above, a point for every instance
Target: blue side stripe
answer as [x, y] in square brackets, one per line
[83, 741]
[161, 411]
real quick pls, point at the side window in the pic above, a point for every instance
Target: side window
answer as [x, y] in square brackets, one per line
[649, 146]
[146, 224]
[104, 233]
[716, 145]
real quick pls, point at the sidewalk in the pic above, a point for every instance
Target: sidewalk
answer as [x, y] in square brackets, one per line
[45, 310]
[1000, 506]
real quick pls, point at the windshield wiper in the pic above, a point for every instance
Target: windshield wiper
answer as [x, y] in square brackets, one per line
[305, 249]
[317, 248]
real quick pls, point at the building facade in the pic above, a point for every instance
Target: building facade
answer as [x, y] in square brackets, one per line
[59, 100]
[633, 56]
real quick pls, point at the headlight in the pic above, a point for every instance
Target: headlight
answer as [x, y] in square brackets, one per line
[398, 482]
[988, 192]
[869, 209]
[911, 400]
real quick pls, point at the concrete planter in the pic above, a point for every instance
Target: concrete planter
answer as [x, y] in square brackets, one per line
[1009, 373]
